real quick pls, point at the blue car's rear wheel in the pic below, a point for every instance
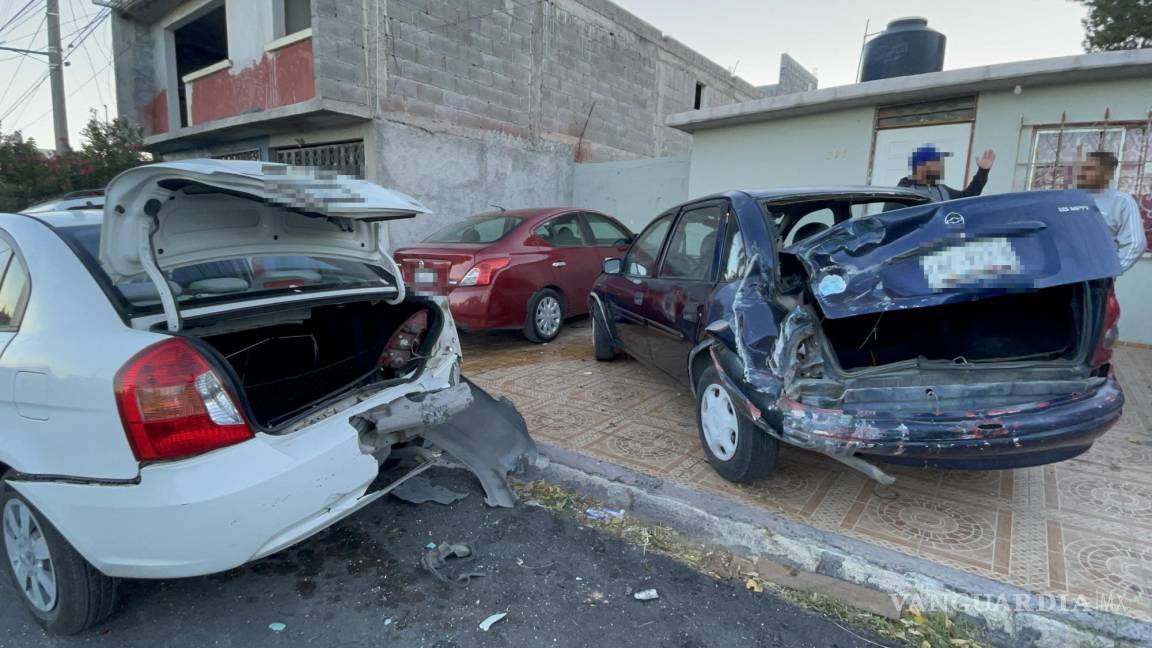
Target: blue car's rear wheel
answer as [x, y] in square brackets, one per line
[737, 450]
[602, 346]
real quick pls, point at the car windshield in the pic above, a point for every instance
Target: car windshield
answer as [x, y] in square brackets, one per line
[477, 229]
[222, 281]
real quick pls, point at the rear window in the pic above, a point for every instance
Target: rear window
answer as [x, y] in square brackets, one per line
[477, 229]
[223, 281]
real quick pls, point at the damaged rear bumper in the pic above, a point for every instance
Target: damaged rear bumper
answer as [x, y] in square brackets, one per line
[1013, 437]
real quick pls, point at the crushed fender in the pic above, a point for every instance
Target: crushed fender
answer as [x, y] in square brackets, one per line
[491, 439]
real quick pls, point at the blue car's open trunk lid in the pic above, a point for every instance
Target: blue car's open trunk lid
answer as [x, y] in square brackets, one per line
[960, 250]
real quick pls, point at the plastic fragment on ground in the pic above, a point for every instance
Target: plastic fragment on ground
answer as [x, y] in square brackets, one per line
[487, 623]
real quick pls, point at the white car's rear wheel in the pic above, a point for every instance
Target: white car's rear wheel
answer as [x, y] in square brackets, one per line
[62, 591]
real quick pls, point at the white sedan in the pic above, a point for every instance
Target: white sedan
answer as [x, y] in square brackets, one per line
[220, 364]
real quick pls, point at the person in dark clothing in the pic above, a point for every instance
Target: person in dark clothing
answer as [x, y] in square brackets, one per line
[927, 164]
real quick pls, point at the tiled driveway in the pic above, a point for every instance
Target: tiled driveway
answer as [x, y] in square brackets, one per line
[1081, 528]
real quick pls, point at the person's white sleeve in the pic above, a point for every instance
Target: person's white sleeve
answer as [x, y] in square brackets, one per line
[1130, 239]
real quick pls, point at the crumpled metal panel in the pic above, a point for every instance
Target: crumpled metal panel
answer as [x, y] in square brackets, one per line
[875, 263]
[491, 439]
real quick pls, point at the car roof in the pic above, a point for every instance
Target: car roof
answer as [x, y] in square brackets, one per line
[829, 191]
[69, 218]
[531, 212]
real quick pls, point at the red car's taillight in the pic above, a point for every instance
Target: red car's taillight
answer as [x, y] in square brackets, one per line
[481, 274]
[174, 405]
[405, 341]
[1110, 332]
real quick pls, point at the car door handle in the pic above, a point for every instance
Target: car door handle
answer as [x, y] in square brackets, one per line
[638, 298]
[559, 264]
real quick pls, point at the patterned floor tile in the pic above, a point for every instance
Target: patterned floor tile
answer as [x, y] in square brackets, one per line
[1079, 528]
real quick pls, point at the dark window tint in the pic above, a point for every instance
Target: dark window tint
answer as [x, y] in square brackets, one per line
[641, 259]
[562, 231]
[297, 15]
[478, 229]
[693, 244]
[13, 290]
[226, 279]
[735, 256]
[604, 231]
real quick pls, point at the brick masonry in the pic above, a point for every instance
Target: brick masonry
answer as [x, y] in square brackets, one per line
[584, 73]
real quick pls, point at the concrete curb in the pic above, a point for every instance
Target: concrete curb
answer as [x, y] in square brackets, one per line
[1011, 616]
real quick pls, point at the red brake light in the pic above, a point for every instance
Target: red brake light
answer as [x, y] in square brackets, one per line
[481, 274]
[174, 405]
[1109, 332]
[402, 346]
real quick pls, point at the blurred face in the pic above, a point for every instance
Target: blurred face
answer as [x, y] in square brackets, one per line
[1090, 174]
[930, 172]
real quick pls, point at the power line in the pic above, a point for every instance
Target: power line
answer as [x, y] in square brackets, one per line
[99, 18]
[91, 63]
[25, 99]
[30, 34]
[12, 80]
[16, 16]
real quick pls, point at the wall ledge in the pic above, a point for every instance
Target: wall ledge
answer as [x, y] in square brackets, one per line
[285, 41]
[206, 71]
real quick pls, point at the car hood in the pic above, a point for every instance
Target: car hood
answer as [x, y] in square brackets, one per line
[960, 250]
[195, 211]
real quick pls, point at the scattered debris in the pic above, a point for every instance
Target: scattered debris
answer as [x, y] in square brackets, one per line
[646, 595]
[276, 626]
[430, 545]
[487, 623]
[520, 561]
[419, 490]
[438, 557]
[598, 513]
[753, 584]
[388, 621]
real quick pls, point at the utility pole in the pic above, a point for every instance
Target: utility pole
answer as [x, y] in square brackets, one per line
[56, 76]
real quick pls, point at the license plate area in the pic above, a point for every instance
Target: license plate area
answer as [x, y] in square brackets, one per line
[426, 277]
[970, 262]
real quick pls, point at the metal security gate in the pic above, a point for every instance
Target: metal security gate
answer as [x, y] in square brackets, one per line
[250, 154]
[346, 157]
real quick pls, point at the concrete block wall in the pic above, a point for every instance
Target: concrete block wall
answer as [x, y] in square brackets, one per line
[469, 64]
[459, 175]
[341, 52]
[135, 51]
[535, 70]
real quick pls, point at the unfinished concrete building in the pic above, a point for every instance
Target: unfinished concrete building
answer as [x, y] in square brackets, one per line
[463, 104]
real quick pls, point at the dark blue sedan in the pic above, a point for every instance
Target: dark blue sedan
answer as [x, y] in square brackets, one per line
[871, 326]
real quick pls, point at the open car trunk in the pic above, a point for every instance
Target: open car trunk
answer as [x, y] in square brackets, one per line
[291, 361]
[1036, 326]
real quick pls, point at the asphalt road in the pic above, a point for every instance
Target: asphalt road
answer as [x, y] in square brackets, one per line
[360, 584]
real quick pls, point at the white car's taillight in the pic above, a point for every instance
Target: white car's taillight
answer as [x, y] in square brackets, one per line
[174, 405]
[405, 341]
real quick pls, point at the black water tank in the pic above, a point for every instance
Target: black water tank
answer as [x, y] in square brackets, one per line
[906, 47]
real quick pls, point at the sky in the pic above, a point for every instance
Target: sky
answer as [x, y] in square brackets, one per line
[749, 35]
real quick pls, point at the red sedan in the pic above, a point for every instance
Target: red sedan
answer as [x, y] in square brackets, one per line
[522, 269]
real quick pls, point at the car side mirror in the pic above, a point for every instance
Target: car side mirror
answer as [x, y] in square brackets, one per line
[613, 266]
[537, 241]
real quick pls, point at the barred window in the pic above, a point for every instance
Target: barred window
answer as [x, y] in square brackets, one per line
[1055, 152]
[346, 158]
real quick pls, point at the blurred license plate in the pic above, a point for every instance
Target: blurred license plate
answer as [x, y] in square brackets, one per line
[970, 262]
[425, 276]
